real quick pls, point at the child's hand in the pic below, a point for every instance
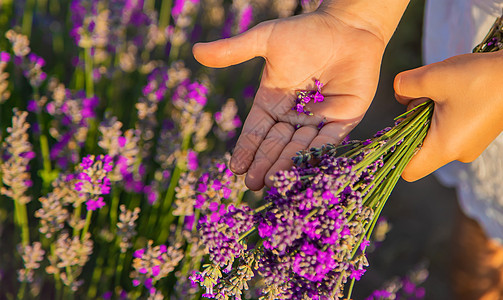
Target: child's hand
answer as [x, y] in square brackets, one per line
[468, 116]
[345, 57]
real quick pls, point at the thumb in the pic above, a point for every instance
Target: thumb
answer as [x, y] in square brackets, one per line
[424, 82]
[413, 87]
[234, 50]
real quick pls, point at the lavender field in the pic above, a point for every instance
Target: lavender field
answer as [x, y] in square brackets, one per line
[114, 151]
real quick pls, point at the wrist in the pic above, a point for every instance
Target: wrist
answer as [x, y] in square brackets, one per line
[378, 17]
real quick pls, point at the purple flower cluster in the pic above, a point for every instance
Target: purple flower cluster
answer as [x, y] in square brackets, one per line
[304, 97]
[16, 152]
[101, 27]
[214, 186]
[79, 9]
[312, 230]
[227, 120]
[187, 92]
[156, 87]
[132, 12]
[71, 113]
[220, 232]
[154, 263]
[31, 66]
[92, 179]
[317, 222]
[408, 287]
[178, 8]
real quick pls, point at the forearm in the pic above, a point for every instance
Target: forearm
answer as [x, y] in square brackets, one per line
[379, 17]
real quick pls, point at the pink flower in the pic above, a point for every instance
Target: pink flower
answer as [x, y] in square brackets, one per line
[4, 56]
[192, 163]
[246, 19]
[122, 141]
[156, 270]
[95, 204]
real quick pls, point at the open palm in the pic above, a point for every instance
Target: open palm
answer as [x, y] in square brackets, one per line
[297, 50]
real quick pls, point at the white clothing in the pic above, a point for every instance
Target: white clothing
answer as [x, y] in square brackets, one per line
[455, 27]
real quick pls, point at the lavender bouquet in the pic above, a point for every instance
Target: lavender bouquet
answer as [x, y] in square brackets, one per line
[310, 237]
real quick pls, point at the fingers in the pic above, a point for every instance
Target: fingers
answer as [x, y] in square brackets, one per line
[234, 50]
[257, 125]
[332, 133]
[300, 141]
[427, 81]
[267, 154]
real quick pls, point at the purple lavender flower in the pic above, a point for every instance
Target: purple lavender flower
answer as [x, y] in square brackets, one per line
[179, 6]
[220, 232]
[249, 91]
[192, 163]
[246, 17]
[4, 57]
[92, 179]
[88, 107]
[227, 28]
[379, 294]
[151, 193]
[357, 273]
[190, 91]
[304, 97]
[313, 263]
[132, 13]
[95, 204]
[154, 263]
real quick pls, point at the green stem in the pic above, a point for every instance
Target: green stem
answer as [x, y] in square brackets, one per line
[149, 5]
[166, 207]
[22, 289]
[22, 221]
[119, 268]
[114, 208]
[168, 199]
[338, 284]
[97, 271]
[240, 197]
[168, 219]
[68, 291]
[243, 235]
[261, 208]
[28, 18]
[42, 6]
[414, 123]
[385, 190]
[86, 225]
[179, 229]
[46, 173]
[54, 7]
[76, 216]
[350, 289]
[57, 278]
[88, 61]
[164, 14]
[47, 176]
